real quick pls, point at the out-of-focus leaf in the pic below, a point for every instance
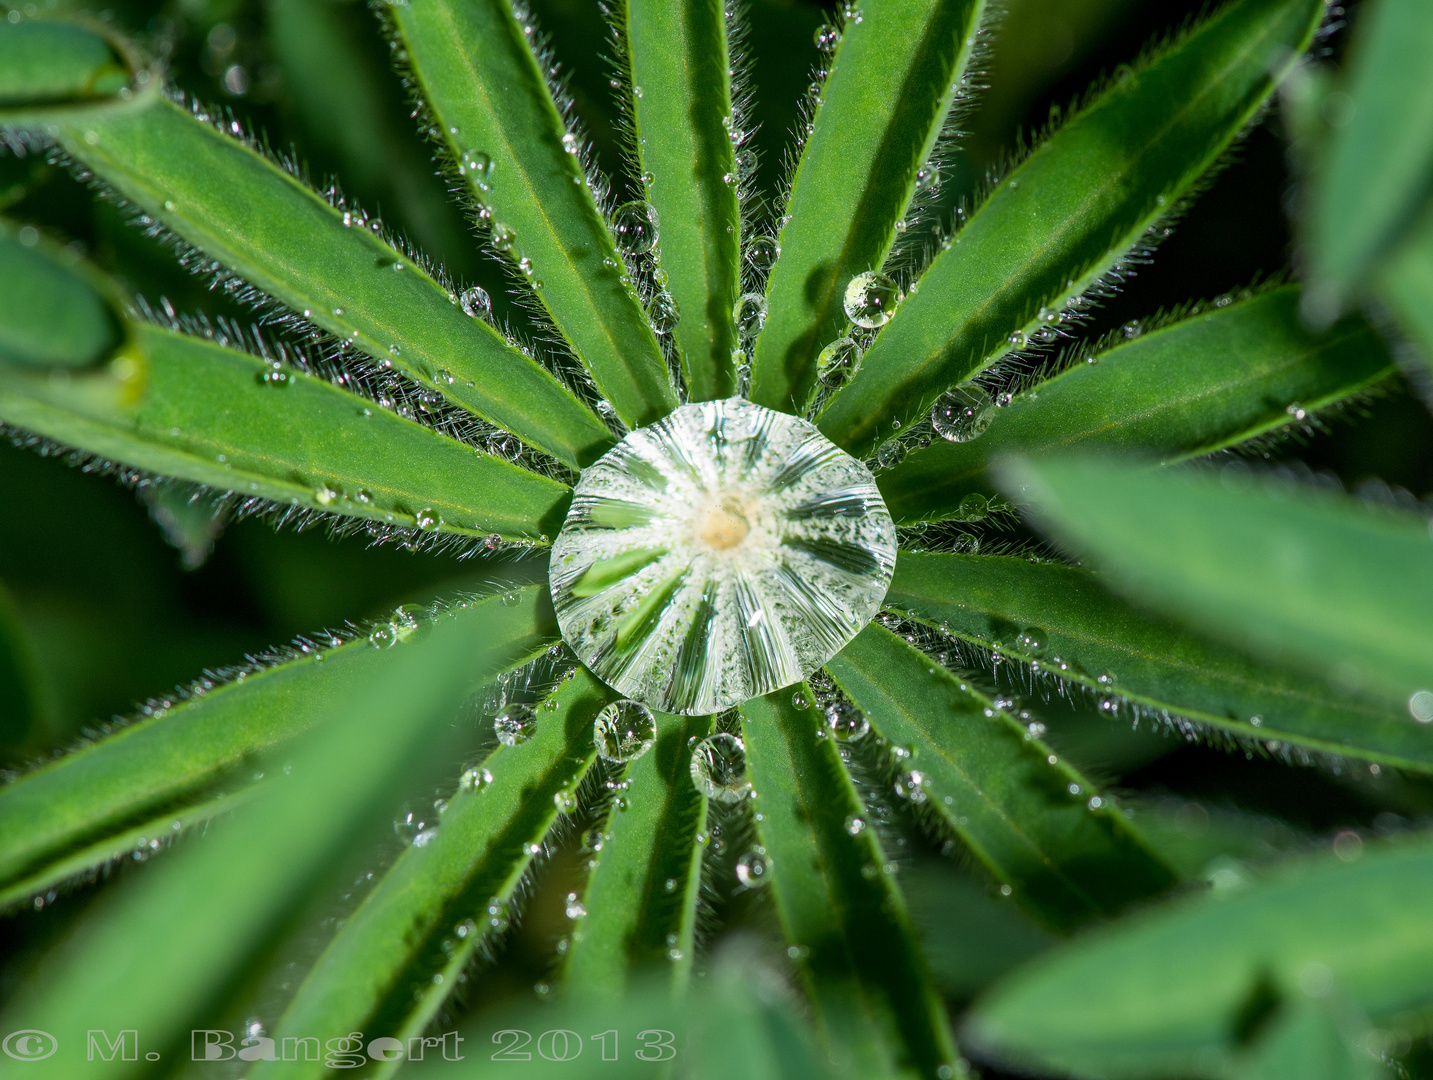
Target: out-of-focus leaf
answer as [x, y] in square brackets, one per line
[1311, 1039]
[641, 899]
[45, 62]
[162, 952]
[487, 91]
[681, 121]
[52, 313]
[1041, 829]
[175, 755]
[876, 1008]
[1378, 161]
[1066, 217]
[22, 705]
[190, 516]
[1198, 386]
[1168, 993]
[881, 111]
[1405, 285]
[1062, 621]
[397, 959]
[1344, 589]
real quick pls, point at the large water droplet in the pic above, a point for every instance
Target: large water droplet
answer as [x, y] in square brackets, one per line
[870, 299]
[762, 252]
[845, 721]
[624, 731]
[662, 312]
[962, 414]
[722, 553]
[635, 224]
[718, 768]
[750, 314]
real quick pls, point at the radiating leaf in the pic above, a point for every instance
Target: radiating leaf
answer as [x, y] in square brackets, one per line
[641, 898]
[398, 957]
[681, 126]
[256, 220]
[1167, 994]
[175, 755]
[192, 409]
[1200, 385]
[876, 1009]
[488, 97]
[1378, 164]
[1301, 576]
[1078, 206]
[1063, 622]
[881, 111]
[1040, 828]
[157, 955]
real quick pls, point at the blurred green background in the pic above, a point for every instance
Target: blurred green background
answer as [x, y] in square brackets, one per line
[112, 596]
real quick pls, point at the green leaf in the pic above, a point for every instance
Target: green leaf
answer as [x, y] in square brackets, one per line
[176, 754]
[1343, 589]
[881, 112]
[53, 311]
[398, 957]
[260, 222]
[877, 1011]
[1040, 828]
[1065, 219]
[198, 411]
[1062, 622]
[160, 953]
[1312, 1039]
[55, 63]
[641, 898]
[1200, 385]
[1168, 993]
[495, 116]
[1375, 174]
[680, 125]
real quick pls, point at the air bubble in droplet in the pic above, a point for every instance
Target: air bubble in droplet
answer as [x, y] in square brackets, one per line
[624, 731]
[962, 414]
[871, 299]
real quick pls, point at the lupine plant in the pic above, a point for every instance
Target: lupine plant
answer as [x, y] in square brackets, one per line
[740, 469]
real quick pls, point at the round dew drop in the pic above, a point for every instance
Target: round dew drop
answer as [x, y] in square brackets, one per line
[753, 869]
[662, 313]
[635, 224]
[845, 721]
[750, 314]
[962, 414]
[871, 299]
[762, 252]
[513, 726]
[718, 768]
[837, 360]
[476, 303]
[624, 731]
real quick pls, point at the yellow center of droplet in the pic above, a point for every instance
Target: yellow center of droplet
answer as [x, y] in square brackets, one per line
[723, 526]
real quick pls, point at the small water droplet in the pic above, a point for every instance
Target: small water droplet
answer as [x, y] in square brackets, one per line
[565, 801]
[1420, 706]
[1032, 640]
[827, 38]
[962, 414]
[475, 779]
[855, 825]
[845, 721]
[974, 507]
[871, 299]
[514, 725]
[837, 360]
[635, 226]
[503, 237]
[476, 303]
[718, 768]
[750, 314]
[428, 519]
[662, 312]
[624, 731]
[927, 178]
[753, 869]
